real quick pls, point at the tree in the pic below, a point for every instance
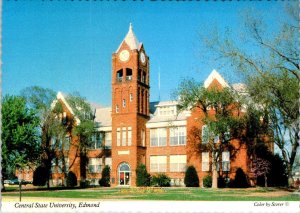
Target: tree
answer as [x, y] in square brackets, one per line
[142, 176]
[191, 178]
[272, 73]
[71, 179]
[261, 167]
[222, 117]
[105, 178]
[52, 131]
[40, 176]
[83, 128]
[20, 144]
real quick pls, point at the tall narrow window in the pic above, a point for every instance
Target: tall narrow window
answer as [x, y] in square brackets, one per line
[129, 140]
[124, 103]
[124, 136]
[205, 134]
[205, 161]
[108, 140]
[226, 161]
[128, 74]
[117, 108]
[143, 136]
[118, 137]
[119, 75]
[131, 97]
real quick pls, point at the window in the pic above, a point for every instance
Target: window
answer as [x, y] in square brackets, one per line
[124, 103]
[117, 108]
[167, 110]
[143, 137]
[95, 165]
[60, 166]
[108, 162]
[118, 137]
[177, 163]
[97, 138]
[129, 140]
[205, 134]
[124, 136]
[158, 137]
[53, 165]
[67, 143]
[131, 97]
[178, 136]
[108, 140]
[158, 163]
[226, 161]
[119, 75]
[205, 161]
[67, 164]
[128, 74]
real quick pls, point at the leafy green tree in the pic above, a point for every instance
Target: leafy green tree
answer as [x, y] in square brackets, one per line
[105, 178]
[83, 128]
[142, 176]
[20, 144]
[222, 116]
[272, 73]
[52, 131]
[40, 176]
[191, 178]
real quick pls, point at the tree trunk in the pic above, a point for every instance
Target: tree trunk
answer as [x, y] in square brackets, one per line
[214, 176]
[290, 176]
[266, 180]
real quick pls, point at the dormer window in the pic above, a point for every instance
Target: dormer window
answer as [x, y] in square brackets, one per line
[128, 74]
[119, 75]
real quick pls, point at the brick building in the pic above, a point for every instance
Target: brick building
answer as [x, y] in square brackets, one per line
[134, 131]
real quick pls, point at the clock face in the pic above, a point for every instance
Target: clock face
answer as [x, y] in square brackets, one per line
[143, 57]
[124, 55]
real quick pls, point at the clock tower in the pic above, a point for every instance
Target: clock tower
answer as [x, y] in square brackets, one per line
[130, 109]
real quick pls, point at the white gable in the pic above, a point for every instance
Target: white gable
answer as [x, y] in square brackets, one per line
[131, 40]
[215, 75]
[62, 98]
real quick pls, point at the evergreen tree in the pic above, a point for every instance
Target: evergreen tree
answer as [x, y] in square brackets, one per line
[105, 179]
[142, 176]
[191, 178]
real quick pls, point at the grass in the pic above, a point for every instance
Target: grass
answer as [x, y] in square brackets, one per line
[180, 194]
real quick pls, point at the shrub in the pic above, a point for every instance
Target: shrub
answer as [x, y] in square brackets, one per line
[71, 179]
[191, 178]
[142, 176]
[40, 176]
[207, 181]
[160, 180]
[240, 180]
[105, 179]
[221, 182]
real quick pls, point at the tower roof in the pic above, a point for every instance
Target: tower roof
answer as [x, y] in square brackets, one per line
[131, 40]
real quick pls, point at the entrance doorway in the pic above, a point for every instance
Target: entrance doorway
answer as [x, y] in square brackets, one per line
[124, 174]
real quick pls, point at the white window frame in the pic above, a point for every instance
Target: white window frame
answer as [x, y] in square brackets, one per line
[205, 162]
[108, 140]
[176, 135]
[129, 136]
[178, 163]
[226, 161]
[118, 136]
[158, 163]
[95, 165]
[124, 132]
[156, 137]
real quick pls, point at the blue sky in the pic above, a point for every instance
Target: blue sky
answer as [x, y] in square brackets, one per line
[67, 46]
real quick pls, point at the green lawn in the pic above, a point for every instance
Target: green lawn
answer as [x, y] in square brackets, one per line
[196, 194]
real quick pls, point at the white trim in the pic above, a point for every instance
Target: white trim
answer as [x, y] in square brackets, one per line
[166, 124]
[61, 97]
[105, 129]
[123, 152]
[215, 75]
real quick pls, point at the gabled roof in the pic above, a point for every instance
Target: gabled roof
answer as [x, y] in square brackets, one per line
[215, 75]
[61, 96]
[131, 40]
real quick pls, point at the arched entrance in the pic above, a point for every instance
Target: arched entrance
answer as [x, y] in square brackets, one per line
[124, 174]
